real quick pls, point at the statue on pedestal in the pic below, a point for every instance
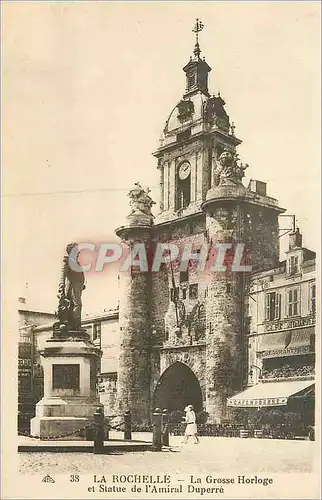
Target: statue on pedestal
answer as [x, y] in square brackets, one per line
[71, 286]
[229, 169]
[140, 200]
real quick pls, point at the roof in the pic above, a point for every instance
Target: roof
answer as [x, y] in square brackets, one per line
[173, 123]
[309, 258]
[105, 315]
[36, 313]
[308, 254]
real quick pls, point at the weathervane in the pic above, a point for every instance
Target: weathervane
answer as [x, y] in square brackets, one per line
[196, 29]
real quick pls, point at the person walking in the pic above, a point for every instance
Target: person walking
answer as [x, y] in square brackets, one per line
[191, 426]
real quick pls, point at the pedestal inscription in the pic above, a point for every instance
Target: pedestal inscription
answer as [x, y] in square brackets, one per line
[66, 376]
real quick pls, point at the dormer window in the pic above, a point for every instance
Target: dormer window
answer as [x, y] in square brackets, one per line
[293, 265]
[185, 110]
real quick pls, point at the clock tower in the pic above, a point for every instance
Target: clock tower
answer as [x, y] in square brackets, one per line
[196, 132]
[181, 326]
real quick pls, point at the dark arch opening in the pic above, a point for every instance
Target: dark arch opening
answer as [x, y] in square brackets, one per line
[178, 387]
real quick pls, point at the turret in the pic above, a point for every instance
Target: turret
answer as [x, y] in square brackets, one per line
[245, 223]
[133, 388]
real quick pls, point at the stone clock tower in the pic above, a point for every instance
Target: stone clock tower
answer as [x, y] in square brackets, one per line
[197, 131]
[182, 330]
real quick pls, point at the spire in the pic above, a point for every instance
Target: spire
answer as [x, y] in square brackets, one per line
[197, 69]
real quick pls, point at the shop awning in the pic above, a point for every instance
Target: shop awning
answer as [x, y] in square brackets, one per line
[269, 394]
[287, 343]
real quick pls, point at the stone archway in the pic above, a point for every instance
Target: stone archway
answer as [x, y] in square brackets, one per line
[178, 387]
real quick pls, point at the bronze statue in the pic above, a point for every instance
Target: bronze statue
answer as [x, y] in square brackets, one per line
[71, 286]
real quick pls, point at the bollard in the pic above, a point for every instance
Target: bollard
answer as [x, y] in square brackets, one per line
[127, 426]
[165, 427]
[106, 429]
[99, 431]
[157, 422]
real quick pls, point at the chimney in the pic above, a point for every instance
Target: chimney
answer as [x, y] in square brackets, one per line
[258, 187]
[295, 240]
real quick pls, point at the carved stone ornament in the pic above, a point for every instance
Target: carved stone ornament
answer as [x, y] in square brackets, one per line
[140, 200]
[215, 113]
[229, 169]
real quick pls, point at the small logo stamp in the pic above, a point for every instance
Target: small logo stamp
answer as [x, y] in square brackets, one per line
[48, 479]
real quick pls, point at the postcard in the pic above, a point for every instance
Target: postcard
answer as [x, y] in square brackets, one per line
[161, 237]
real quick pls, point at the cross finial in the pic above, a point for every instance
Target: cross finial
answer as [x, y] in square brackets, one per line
[196, 29]
[232, 128]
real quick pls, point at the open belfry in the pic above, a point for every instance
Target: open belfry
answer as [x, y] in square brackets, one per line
[182, 326]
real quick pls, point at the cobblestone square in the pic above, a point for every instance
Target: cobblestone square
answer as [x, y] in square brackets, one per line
[211, 456]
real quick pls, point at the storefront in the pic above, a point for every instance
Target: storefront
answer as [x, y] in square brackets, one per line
[294, 398]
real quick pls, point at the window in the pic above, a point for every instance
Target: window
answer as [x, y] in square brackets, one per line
[96, 331]
[174, 294]
[312, 293]
[293, 302]
[293, 264]
[184, 293]
[191, 79]
[273, 306]
[193, 291]
[183, 276]
[185, 110]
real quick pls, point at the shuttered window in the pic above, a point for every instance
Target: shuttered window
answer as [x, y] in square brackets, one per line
[293, 308]
[273, 306]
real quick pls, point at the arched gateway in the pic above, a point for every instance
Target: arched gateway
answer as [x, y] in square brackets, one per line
[177, 387]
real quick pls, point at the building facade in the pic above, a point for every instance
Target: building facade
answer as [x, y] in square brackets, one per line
[280, 336]
[30, 375]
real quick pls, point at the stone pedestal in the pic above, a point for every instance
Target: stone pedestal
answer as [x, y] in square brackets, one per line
[70, 365]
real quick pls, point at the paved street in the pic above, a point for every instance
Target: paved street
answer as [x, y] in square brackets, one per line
[212, 455]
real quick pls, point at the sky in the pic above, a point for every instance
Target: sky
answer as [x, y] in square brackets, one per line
[87, 88]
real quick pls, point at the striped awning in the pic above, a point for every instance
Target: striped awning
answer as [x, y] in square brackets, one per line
[269, 394]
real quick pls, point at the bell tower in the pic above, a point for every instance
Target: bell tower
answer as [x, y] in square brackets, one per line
[196, 132]
[197, 69]
[179, 318]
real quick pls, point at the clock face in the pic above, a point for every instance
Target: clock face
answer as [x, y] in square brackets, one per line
[184, 170]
